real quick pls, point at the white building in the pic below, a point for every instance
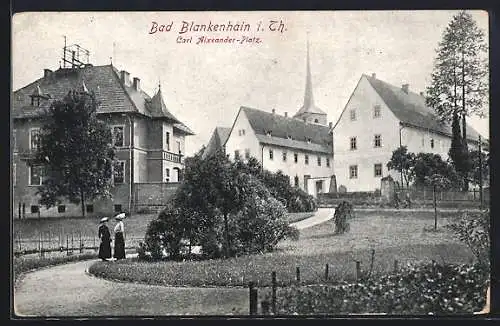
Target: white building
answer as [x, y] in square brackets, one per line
[377, 119]
[299, 146]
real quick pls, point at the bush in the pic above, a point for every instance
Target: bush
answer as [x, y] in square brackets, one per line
[473, 229]
[165, 233]
[343, 212]
[423, 289]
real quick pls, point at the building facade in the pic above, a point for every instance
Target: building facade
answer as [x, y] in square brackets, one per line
[377, 119]
[149, 141]
[300, 146]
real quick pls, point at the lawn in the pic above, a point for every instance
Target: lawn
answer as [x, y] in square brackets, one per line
[394, 236]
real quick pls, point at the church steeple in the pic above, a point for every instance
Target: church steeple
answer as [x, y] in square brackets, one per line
[308, 95]
[309, 111]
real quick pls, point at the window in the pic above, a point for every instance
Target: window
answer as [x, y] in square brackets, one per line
[247, 153]
[118, 208]
[432, 143]
[178, 143]
[61, 208]
[36, 175]
[167, 175]
[328, 162]
[353, 172]
[14, 174]
[35, 209]
[117, 133]
[236, 154]
[319, 160]
[89, 208]
[378, 141]
[353, 143]
[271, 154]
[284, 156]
[315, 120]
[295, 157]
[119, 172]
[35, 138]
[376, 111]
[243, 132]
[296, 181]
[423, 141]
[378, 169]
[306, 159]
[353, 114]
[167, 140]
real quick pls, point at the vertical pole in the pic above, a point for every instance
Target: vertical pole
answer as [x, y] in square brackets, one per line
[297, 274]
[273, 297]
[19, 210]
[94, 242]
[480, 175]
[326, 272]
[72, 243]
[67, 244]
[358, 270]
[395, 265]
[435, 207]
[24, 210]
[81, 243]
[50, 241]
[252, 298]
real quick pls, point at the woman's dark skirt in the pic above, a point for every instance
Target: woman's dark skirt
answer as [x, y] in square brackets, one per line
[105, 250]
[119, 246]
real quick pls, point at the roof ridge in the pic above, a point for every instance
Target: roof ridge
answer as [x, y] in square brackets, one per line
[286, 118]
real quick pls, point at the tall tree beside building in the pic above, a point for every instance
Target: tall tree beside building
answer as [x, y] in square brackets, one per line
[76, 149]
[458, 151]
[459, 79]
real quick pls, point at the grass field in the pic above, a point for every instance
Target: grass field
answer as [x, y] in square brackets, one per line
[394, 236]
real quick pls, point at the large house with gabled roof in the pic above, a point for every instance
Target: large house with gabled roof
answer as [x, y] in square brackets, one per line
[377, 119]
[300, 146]
[149, 140]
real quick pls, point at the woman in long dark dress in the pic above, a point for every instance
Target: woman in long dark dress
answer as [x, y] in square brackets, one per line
[105, 236]
[119, 237]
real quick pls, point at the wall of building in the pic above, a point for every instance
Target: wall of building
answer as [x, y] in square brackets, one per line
[299, 169]
[364, 128]
[179, 137]
[140, 166]
[248, 141]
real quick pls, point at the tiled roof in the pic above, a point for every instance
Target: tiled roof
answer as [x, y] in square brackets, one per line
[410, 108]
[217, 141]
[289, 132]
[104, 81]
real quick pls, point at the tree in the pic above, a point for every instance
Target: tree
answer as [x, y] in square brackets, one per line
[476, 173]
[458, 151]
[402, 161]
[430, 168]
[76, 148]
[459, 79]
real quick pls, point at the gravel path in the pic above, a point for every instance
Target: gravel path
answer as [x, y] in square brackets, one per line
[67, 290]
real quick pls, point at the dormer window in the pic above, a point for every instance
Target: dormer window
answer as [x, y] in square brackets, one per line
[289, 137]
[268, 133]
[376, 111]
[353, 114]
[308, 140]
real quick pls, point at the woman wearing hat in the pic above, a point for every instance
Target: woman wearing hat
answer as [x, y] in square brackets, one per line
[105, 236]
[119, 237]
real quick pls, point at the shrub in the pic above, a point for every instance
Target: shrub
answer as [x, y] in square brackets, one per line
[473, 229]
[165, 233]
[342, 213]
[423, 289]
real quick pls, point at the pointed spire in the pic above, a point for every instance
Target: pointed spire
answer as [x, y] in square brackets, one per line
[308, 94]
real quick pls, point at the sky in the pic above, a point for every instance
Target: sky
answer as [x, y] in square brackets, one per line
[205, 84]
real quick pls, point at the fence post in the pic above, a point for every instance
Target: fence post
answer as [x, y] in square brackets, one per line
[24, 210]
[19, 210]
[395, 265]
[435, 207]
[67, 245]
[81, 243]
[252, 298]
[358, 270]
[474, 193]
[72, 242]
[95, 248]
[326, 272]
[273, 296]
[297, 273]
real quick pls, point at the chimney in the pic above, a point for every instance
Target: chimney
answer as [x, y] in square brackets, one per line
[405, 88]
[330, 124]
[125, 77]
[374, 75]
[137, 84]
[286, 114]
[274, 111]
[47, 73]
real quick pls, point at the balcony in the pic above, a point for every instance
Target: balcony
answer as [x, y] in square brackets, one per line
[172, 157]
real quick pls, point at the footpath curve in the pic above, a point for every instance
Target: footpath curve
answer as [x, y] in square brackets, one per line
[69, 291]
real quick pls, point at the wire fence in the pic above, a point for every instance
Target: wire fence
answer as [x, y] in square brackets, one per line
[47, 242]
